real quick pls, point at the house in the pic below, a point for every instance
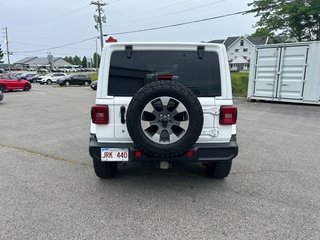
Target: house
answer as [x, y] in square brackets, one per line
[42, 62]
[240, 50]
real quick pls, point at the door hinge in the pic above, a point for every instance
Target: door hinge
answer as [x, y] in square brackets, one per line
[200, 50]
[128, 50]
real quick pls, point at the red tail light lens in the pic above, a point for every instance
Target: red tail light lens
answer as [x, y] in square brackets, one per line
[228, 115]
[189, 154]
[164, 77]
[138, 154]
[100, 114]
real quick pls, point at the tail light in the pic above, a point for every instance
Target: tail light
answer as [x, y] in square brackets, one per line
[100, 114]
[189, 154]
[138, 154]
[228, 115]
[164, 77]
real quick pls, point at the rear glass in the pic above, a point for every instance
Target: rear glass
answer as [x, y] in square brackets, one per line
[128, 75]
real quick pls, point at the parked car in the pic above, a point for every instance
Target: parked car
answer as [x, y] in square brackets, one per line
[74, 79]
[55, 70]
[23, 76]
[50, 78]
[66, 69]
[94, 85]
[40, 77]
[8, 83]
[27, 76]
[33, 78]
[43, 70]
[17, 74]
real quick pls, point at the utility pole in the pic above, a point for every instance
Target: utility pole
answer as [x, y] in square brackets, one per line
[6, 41]
[50, 60]
[97, 54]
[100, 18]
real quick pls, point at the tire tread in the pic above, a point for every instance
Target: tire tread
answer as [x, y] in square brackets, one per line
[105, 169]
[219, 169]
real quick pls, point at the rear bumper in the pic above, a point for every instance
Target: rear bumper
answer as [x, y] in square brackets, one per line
[202, 152]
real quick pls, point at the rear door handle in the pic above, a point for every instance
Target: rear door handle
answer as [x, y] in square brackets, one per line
[122, 112]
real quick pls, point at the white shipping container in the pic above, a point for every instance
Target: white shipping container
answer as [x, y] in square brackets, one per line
[286, 72]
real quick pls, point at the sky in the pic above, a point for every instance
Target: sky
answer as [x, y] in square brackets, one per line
[36, 25]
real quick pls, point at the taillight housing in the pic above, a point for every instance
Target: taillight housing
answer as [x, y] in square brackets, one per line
[228, 115]
[100, 114]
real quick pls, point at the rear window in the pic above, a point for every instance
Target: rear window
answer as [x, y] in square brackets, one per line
[128, 75]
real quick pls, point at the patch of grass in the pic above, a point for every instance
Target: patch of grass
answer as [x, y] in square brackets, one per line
[239, 82]
[93, 76]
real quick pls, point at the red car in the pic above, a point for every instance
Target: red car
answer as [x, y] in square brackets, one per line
[8, 82]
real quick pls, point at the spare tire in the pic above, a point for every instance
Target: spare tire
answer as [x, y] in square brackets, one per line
[164, 119]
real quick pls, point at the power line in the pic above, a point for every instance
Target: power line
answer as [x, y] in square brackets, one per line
[24, 55]
[37, 45]
[177, 24]
[61, 46]
[157, 9]
[172, 13]
[29, 44]
[112, 2]
[67, 14]
[70, 13]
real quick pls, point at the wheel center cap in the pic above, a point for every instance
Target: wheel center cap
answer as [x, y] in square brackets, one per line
[165, 119]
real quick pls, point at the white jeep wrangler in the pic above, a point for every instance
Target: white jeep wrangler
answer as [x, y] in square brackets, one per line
[163, 102]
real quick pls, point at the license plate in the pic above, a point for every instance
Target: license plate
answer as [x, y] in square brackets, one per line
[114, 154]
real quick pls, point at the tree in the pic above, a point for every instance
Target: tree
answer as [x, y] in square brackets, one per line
[76, 60]
[96, 60]
[84, 62]
[293, 18]
[1, 55]
[262, 32]
[69, 59]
